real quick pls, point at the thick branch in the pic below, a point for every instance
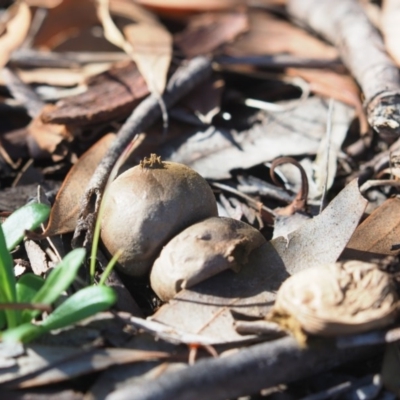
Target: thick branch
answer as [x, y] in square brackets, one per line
[246, 372]
[146, 113]
[344, 23]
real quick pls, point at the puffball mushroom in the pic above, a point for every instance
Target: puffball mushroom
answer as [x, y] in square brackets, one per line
[201, 251]
[148, 205]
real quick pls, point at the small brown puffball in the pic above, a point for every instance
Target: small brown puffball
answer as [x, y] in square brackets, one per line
[201, 251]
[148, 205]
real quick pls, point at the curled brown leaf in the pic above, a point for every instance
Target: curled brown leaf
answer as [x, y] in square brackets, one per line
[300, 201]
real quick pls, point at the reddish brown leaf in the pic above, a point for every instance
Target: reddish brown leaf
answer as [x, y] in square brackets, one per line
[269, 35]
[48, 138]
[65, 20]
[206, 32]
[64, 213]
[337, 86]
[380, 232]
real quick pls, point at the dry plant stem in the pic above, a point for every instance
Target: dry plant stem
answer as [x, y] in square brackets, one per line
[245, 372]
[146, 113]
[344, 23]
[23, 93]
[300, 201]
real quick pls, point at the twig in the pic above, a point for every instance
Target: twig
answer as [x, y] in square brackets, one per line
[145, 114]
[23, 93]
[328, 149]
[26, 306]
[245, 372]
[378, 182]
[344, 23]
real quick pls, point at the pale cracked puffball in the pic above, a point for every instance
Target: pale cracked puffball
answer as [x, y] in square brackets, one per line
[147, 206]
[201, 251]
[339, 299]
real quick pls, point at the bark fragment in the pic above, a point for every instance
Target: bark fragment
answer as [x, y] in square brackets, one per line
[122, 86]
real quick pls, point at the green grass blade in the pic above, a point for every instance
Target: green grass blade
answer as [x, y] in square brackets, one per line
[58, 280]
[3, 320]
[22, 333]
[27, 288]
[7, 282]
[79, 306]
[28, 217]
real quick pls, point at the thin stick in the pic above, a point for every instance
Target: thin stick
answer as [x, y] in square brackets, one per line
[146, 113]
[25, 306]
[243, 373]
[328, 149]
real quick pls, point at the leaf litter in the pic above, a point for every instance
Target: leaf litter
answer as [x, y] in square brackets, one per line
[266, 101]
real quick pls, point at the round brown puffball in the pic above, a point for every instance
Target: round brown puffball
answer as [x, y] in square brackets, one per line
[201, 251]
[148, 205]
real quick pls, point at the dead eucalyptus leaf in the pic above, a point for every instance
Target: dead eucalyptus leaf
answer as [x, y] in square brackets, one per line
[65, 20]
[270, 35]
[322, 239]
[336, 299]
[206, 32]
[64, 213]
[15, 31]
[152, 51]
[337, 86]
[213, 152]
[201, 251]
[46, 138]
[380, 232]
[207, 308]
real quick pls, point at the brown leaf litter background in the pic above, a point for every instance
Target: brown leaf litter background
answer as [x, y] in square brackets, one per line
[296, 271]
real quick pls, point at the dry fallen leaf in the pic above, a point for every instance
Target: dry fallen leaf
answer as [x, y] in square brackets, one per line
[270, 35]
[337, 299]
[322, 239]
[337, 86]
[213, 152]
[206, 32]
[152, 51]
[15, 31]
[64, 213]
[48, 139]
[65, 20]
[380, 232]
